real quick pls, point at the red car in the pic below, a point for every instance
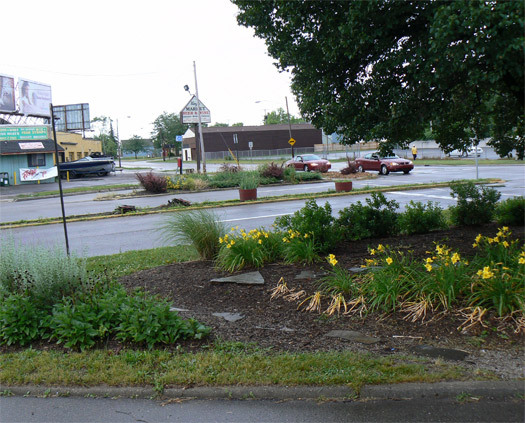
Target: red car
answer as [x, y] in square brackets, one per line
[309, 162]
[383, 165]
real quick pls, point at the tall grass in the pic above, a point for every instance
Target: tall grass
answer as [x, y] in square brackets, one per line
[200, 228]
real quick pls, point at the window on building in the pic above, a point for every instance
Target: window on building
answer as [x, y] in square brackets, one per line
[34, 160]
[79, 156]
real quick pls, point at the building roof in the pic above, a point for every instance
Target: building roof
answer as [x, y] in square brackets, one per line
[15, 147]
[259, 128]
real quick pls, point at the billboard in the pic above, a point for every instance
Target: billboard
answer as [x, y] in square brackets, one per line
[7, 94]
[34, 98]
[72, 117]
[10, 132]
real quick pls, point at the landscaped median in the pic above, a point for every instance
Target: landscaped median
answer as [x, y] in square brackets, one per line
[230, 203]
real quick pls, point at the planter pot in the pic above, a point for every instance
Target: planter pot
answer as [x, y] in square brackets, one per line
[343, 186]
[247, 194]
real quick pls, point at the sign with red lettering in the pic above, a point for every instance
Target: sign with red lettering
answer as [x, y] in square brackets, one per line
[190, 113]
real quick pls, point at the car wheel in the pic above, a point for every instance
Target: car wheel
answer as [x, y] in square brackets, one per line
[305, 168]
[360, 168]
[101, 174]
[406, 172]
[384, 170]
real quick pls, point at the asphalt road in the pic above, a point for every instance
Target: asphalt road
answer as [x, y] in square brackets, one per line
[110, 236]
[30, 409]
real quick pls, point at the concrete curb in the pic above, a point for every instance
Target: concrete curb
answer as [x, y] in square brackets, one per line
[491, 389]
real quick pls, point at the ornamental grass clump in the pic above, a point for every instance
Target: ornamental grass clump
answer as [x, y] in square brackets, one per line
[200, 228]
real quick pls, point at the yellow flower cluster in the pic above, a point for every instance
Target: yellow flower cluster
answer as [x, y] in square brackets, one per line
[521, 259]
[176, 182]
[291, 234]
[255, 234]
[500, 238]
[444, 257]
[486, 273]
[331, 259]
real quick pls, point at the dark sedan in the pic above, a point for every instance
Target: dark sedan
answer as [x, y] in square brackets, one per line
[383, 165]
[309, 162]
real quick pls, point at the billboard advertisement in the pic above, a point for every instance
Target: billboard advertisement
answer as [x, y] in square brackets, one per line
[190, 113]
[72, 117]
[34, 98]
[7, 94]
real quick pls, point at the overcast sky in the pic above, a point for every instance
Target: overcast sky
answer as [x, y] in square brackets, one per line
[133, 58]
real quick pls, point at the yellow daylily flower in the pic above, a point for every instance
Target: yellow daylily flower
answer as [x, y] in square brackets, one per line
[428, 266]
[389, 261]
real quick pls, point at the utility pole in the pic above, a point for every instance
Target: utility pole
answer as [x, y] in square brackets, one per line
[203, 153]
[289, 123]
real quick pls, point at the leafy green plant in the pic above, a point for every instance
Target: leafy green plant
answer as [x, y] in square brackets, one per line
[377, 218]
[419, 218]
[315, 220]
[200, 228]
[308, 176]
[475, 205]
[339, 281]
[249, 180]
[146, 320]
[240, 249]
[511, 211]
[299, 248]
[21, 322]
[290, 174]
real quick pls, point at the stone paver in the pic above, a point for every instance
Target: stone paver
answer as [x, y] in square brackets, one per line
[446, 353]
[230, 317]
[251, 278]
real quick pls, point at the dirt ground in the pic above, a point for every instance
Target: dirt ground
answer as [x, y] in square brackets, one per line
[282, 326]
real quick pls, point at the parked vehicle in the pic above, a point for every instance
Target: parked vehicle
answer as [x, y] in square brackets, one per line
[384, 165]
[471, 151]
[87, 166]
[309, 162]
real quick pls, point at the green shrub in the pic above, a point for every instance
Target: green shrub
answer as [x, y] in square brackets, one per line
[475, 205]
[200, 228]
[314, 220]
[21, 322]
[224, 179]
[420, 219]
[377, 218]
[290, 174]
[44, 274]
[308, 176]
[511, 211]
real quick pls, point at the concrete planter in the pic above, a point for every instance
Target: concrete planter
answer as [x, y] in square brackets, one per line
[343, 186]
[247, 194]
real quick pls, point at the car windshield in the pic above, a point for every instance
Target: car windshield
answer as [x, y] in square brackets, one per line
[311, 157]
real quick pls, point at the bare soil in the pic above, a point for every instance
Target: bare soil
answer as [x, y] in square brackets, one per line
[281, 325]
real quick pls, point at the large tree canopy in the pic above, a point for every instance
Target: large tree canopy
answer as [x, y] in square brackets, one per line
[384, 69]
[165, 130]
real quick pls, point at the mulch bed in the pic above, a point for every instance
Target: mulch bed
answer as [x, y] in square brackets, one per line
[279, 324]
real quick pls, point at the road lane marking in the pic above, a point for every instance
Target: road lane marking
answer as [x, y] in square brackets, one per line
[439, 197]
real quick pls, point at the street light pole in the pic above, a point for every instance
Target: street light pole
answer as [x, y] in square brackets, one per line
[203, 153]
[119, 151]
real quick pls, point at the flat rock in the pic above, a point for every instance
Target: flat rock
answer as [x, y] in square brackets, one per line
[308, 274]
[251, 278]
[446, 353]
[230, 317]
[177, 309]
[351, 335]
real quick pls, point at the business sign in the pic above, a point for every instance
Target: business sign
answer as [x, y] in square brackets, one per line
[7, 94]
[9, 133]
[34, 98]
[34, 174]
[190, 113]
[72, 117]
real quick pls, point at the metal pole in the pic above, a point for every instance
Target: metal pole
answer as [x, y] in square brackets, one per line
[119, 148]
[59, 177]
[203, 153]
[289, 123]
[197, 149]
